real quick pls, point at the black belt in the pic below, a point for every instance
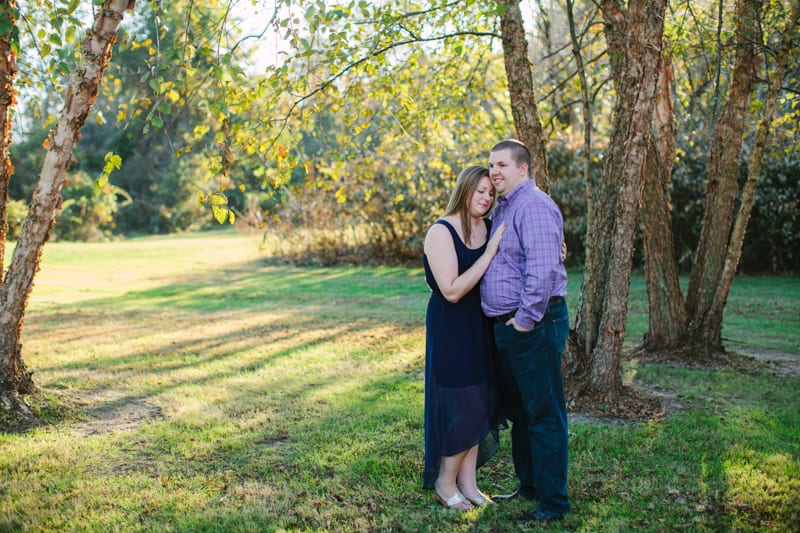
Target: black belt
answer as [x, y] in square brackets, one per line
[508, 316]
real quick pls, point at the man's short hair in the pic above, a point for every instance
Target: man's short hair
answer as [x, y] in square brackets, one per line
[519, 152]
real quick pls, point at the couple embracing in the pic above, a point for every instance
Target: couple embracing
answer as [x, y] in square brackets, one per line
[496, 327]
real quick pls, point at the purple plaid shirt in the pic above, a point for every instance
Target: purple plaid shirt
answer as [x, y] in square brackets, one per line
[527, 270]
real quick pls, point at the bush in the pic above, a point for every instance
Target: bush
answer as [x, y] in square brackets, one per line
[16, 211]
[773, 231]
[86, 214]
[772, 243]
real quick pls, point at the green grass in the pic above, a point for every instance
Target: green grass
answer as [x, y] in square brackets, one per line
[188, 385]
[762, 312]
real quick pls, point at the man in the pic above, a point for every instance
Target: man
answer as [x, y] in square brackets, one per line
[523, 293]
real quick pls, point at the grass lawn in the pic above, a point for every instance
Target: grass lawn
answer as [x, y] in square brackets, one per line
[189, 385]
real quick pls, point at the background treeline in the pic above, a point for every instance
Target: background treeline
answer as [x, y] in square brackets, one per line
[155, 192]
[369, 164]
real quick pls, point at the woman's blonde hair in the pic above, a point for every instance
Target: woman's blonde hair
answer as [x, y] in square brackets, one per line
[466, 183]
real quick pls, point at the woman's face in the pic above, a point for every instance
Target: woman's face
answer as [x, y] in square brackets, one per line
[482, 198]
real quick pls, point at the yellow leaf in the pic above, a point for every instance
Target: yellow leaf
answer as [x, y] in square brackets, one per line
[220, 213]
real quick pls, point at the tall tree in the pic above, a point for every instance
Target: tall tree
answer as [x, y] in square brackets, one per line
[587, 108]
[783, 56]
[9, 47]
[719, 249]
[722, 233]
[667, 313]
[520, 87]
[634, 35]
[705, 322]
[18, 281]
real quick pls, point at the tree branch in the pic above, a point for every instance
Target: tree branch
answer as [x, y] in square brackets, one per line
[375, 53]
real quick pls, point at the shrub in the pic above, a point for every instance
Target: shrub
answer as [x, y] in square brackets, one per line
[16, 211]
[86, 214]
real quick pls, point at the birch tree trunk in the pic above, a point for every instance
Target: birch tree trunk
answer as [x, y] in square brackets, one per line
[634, 35]
[705, 319]
[17, 284]
[520, 88]
[713, 322]
[13, 369]
[667, 313]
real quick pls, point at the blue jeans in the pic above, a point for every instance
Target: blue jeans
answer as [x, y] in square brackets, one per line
[532, 394]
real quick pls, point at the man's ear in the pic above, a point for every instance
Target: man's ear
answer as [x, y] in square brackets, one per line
[525, 169]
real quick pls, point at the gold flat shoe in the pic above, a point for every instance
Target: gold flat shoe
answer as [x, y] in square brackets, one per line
[456, 502]
[481, 501]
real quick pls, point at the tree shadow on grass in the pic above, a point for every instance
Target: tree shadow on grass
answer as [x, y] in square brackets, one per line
[276, 306]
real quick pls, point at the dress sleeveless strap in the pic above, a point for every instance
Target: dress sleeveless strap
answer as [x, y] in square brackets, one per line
[453, 232]
[457, 237]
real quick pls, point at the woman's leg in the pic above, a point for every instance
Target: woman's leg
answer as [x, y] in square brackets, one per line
[467, 481]
[446, 484]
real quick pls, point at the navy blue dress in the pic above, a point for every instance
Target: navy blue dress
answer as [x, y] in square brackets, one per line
[461, 398]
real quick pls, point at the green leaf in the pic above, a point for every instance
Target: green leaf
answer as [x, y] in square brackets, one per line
[10, 31]
[6, 27]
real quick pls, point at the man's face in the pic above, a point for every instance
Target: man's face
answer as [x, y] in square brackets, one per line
[504, 172]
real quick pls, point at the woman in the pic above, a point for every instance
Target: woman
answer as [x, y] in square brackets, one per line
[462, 415]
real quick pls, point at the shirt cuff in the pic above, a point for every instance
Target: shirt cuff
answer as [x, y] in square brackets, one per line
[524, 322]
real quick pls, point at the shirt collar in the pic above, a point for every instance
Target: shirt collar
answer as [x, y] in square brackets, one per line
[516, 191]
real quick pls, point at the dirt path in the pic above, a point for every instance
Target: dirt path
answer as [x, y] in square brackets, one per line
[781, 362]
[109, 411]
